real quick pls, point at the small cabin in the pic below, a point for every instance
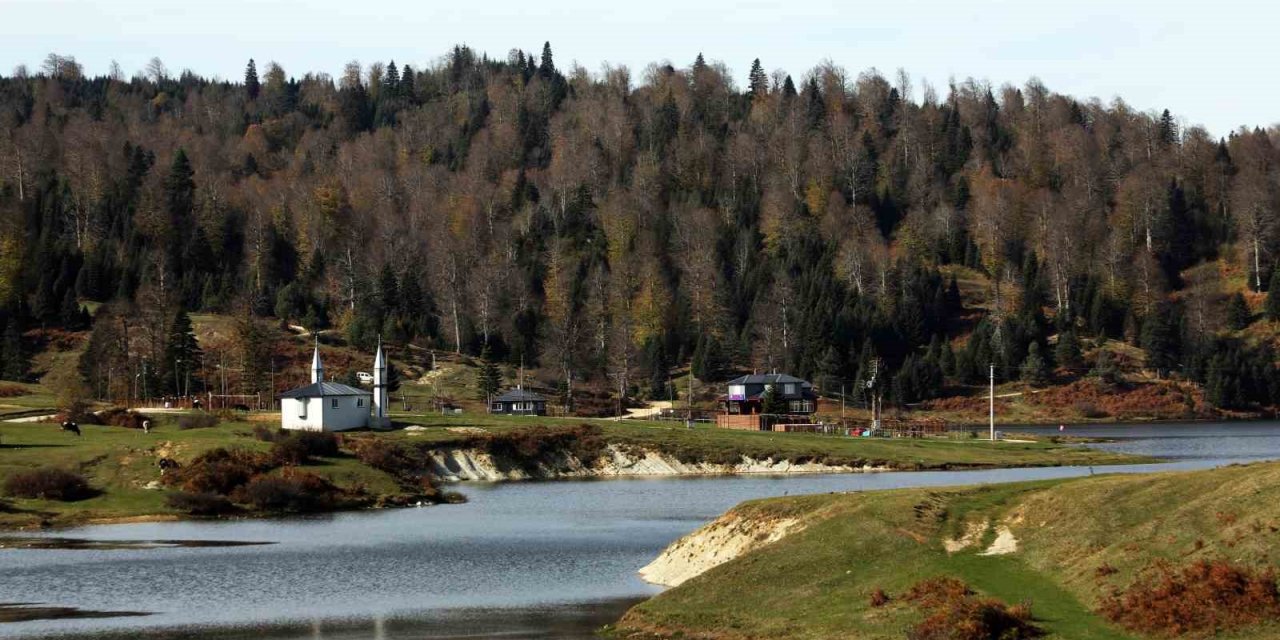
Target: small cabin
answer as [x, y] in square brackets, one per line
[325, 406]
[745, 395]
[518, 402]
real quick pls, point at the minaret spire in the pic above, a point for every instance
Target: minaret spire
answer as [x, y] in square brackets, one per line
[317, 369]
[379, 419]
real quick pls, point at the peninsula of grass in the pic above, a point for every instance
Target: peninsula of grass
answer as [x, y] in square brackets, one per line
[120, 464]
[1111, 556]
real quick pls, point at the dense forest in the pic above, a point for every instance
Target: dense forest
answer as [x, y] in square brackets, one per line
[601, 226]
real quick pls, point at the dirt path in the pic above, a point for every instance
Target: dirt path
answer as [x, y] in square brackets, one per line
[653, 409]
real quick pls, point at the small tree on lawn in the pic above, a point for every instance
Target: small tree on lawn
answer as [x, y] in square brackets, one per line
[771, 402]
[489, 377]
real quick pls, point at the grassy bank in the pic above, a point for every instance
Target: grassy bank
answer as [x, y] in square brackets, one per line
[1078, 543]
[121, 464]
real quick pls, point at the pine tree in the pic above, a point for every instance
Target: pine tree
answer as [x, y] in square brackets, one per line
[1272, 306]
[1067, 352]
[251, 85]
[182, 355]
[758, 80]
[390, 82]
[1161, 340]
[14, 353]
[1168, 129]
[547, 68]
[1035, 371]
[1238, 315]
[489, 376]
[69, 313]
[788, 89]
[771, 402]
[955, 303]
[699, 65]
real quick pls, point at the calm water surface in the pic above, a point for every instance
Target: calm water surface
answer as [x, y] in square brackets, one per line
[522, 560]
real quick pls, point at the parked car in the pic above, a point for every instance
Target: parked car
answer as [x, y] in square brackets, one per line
[364, 377]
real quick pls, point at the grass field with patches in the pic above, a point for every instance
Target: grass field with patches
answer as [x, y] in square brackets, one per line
[1078, 540]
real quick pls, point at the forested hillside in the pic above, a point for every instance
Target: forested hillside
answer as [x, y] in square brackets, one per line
[614, 225]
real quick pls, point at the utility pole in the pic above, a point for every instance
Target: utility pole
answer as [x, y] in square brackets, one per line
[842, 401]
[991, 398]
[688, 420]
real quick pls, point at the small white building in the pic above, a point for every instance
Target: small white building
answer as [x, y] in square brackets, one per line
[330, 406]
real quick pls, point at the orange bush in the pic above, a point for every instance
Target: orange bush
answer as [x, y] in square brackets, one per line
[12, 390]
[1203, 597]
[954, 612]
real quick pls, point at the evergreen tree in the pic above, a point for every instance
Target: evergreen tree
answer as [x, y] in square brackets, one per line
[1238, 315]
[69, 313]
[1272, 306]
[182, 355]
[771, 401]
[251, 85]
[1168, 129]
[1106, 369]
[394, 378]
[788, 89]
[13, 352]
[547, 68]
[758, 80]
[1035, 371]
[708, 362]
[955, 303]
[1161, 340]
[1067, 352]
[489, 376]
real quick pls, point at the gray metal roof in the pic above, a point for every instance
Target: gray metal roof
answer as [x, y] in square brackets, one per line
[519, 395]
[320, 389]
[766, 378]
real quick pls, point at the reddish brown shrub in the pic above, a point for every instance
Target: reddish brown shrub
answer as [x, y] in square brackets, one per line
[291, 491]
[122, 417]
[953, 612]
[879, 598]
[12, 391]
[219, 471]
[929, 593]
[48, 483]
[199, 504]
[1105, 570]
[1203, 597]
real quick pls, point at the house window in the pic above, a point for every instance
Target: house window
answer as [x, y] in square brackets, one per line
[333, 403]
[497, 406]
[790, 389]
[359, 402]
[737, 391]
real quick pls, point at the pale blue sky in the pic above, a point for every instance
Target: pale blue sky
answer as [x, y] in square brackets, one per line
[1212, 63]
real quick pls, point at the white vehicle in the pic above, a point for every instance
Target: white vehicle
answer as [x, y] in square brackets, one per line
[364, 377]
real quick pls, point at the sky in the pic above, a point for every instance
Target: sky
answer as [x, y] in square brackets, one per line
[1210, 63]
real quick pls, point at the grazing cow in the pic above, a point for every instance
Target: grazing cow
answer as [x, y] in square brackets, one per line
[166, 464]
[240, 407]
[71, 426]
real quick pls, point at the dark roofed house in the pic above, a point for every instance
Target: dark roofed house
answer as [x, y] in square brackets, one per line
[518, 402]
[745, 394]
[744, 402]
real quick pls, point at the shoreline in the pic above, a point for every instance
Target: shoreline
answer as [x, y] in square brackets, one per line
[182, 517]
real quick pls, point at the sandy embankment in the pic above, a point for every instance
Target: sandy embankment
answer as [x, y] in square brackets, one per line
[466, 465]
[728, 537]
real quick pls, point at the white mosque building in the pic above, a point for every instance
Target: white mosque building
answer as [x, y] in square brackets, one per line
[330, 406]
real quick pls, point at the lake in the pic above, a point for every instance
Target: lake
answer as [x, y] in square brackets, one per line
[520, 560]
